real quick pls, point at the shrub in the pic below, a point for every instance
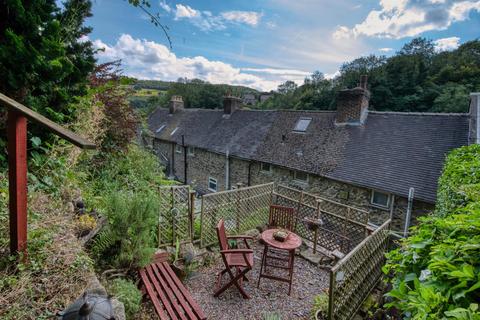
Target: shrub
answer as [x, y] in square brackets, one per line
[436, 271]
[462, 168]
[126, 292]
[128, 241]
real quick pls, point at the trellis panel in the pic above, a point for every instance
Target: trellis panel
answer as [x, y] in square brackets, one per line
[242, 209]
[175, 219]
[353, 278]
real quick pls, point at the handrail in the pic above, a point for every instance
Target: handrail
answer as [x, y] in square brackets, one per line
[52, 126]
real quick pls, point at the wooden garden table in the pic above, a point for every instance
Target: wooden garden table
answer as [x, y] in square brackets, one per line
[292, 242]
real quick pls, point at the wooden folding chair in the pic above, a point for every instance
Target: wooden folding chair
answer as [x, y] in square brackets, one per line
[281, 217]
[237, 262]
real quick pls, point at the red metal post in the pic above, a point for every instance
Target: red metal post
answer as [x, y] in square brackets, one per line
[17, 180]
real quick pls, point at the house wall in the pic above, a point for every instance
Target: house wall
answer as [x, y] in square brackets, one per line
[204, 164]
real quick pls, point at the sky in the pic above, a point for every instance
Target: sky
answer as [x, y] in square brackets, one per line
[261, 44]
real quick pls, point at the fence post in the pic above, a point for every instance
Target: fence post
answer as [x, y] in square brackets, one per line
[191, 216]
[330, 295]
[201, 223]
[172, 212]
[315, 235]
[299, 205]
[237, 211]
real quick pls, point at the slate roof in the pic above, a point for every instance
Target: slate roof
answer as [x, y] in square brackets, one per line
[390, 152]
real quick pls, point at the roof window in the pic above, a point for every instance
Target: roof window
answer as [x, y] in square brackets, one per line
[302, 124]
[160, 129]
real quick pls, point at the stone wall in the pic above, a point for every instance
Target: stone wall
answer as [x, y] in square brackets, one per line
[204, 164]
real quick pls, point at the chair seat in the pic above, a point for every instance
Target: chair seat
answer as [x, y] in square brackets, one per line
[237, 259]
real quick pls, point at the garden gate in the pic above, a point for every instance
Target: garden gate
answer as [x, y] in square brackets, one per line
[175, 221]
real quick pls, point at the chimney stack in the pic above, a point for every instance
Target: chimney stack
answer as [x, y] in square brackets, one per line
[230, 104]
[176, 104]
[352, 104]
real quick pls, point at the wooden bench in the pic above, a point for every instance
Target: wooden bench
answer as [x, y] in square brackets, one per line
[168, 294]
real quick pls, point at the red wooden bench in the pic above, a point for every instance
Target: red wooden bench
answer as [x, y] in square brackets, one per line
[168, 294]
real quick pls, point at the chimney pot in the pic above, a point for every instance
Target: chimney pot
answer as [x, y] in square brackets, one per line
[176, 103]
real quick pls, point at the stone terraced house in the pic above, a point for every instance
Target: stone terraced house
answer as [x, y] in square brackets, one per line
[363, 158]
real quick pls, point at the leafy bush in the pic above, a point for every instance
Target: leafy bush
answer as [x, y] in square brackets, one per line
[126, 292]
[128, 241]
[436, 271]
[462, 168]
[320, 302]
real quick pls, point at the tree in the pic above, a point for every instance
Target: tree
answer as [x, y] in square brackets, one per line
[287, 87]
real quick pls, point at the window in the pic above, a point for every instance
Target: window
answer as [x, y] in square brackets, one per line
[212, 184]
[178, 148]
[300, 176]
[173, 132]
[302, 124]
[380, 199]
[266, 167]
[191, 151]
[161, 128]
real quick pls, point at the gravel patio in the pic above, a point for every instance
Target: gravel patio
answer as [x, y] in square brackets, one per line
[270, 298]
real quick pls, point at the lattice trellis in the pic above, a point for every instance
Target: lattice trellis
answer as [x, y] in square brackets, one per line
[242, 209]
[353, 278]
[175, 216]
[344, 226]
[343, 210]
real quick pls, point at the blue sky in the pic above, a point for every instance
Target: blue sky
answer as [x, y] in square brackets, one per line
[263, 43]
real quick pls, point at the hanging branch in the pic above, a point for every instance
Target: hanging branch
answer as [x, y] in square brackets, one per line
[154, 18]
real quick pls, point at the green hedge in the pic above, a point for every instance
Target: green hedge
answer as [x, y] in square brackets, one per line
[436, 271]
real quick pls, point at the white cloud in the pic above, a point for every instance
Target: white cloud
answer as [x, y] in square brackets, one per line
[165, 6]
[247, 17]
[207, 21]
[184, 11]
[408, 18]
[150, 60]
[385, 49]
[446, 44]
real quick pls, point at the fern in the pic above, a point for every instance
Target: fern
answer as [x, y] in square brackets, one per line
[128, 240]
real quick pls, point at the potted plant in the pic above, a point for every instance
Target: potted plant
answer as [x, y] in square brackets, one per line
[320, 306]
[177, 265]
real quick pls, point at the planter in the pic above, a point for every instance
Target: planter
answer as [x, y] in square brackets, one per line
[319, 315]
[312, 224]
[180, 269]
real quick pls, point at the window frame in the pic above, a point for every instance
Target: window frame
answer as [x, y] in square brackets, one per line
[309, 119]
[216, 184]
[379, 205]
[191, 151]
[269, 167]
[295, 172]
[178, 148]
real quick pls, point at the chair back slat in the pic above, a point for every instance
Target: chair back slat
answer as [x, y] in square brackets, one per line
[282, 217]
[222, 235]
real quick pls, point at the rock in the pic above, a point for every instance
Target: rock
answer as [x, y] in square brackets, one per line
[310, 256]
[252, 233]
[118, 309]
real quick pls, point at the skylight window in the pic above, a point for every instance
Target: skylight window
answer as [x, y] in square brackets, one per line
[302, 124]
[160, 129]
[174, 130]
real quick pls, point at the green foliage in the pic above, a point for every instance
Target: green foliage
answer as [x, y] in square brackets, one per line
[42, 62]
[128, 241]
[127, 292]
[320, 302]
[436, 271]
[461, 171]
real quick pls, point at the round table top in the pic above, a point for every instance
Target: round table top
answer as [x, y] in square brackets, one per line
[292, 242]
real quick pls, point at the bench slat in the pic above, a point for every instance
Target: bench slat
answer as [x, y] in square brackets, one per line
[165, 301]
[153, 296]
[195, 307]
[166, 288]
